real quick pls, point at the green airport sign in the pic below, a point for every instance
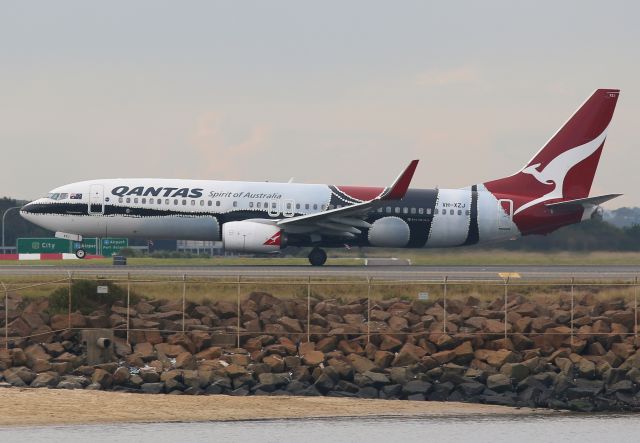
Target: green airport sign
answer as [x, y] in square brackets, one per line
[112, 246]
[46, 245]
[53, 245]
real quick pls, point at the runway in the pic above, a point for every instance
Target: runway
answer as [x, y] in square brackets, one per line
[431, 273]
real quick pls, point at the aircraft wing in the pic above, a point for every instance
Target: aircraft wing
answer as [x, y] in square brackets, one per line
[345, 221]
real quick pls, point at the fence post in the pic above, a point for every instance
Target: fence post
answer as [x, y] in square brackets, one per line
[6, 316]
[635, 307]
[238, 325]
[506, 301]
[184, 299]
[128, 304]
[444, 306]
[309, 309]
[69, 308]
[368, 309]
[573, 279]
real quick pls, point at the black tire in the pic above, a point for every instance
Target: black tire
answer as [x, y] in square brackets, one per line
[81, 253]
[317, 257]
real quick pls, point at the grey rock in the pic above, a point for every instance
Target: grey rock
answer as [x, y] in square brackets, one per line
[367, 392]
[471, 388]
[416, 387]
[45, 380]
[152, 388]
[69, 384]
[499, 383]
[440, 391]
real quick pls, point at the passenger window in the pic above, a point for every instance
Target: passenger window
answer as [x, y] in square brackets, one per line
[235, 204]
[467, 212]
[273, 205]
[258, 205]
[151, 201]
[413, 210]
[159, 201]
[451, 211]
[405, 211]
[201, 202]
[175, 202]
[379, 209]
[217, 202]
[297, 205]
[459, 211]
[120, 199]
[397, 211]
[193, 202]
[266, 205]
[388, 209]
[420, 211]
[436, 211]
[323, 207]
[306, 206]
[288, 205]
[209, 203]
[315, 207]
[330, 207]
[144, 201]
[251, 204]
[184, 202]
[135, 200]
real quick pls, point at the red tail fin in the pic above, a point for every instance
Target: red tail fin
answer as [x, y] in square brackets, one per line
[564, 168]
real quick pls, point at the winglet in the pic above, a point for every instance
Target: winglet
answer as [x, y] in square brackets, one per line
[399, 187]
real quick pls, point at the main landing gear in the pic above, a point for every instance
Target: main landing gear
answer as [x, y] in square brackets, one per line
[317, 257]
[81, 253]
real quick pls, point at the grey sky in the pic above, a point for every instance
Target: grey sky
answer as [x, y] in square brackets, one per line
[329, 92]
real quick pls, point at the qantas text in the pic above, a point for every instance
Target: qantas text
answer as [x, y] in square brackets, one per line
[157, 192]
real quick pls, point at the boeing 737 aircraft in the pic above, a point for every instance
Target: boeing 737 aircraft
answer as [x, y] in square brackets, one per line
[550, 191]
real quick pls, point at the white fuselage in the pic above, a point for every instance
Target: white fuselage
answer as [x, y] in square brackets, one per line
[196, 209]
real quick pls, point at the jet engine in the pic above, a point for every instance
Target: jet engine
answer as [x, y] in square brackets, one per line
[250, 236]
[389, 232]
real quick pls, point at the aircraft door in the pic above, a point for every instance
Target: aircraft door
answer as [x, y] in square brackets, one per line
[288, 208]
[274, 208]
[96, 200]
[505, 214]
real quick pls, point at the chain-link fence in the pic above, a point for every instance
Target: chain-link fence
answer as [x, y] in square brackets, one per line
[233, 309]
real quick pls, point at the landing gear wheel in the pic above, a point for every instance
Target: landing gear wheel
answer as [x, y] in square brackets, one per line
[317, 257]
[81, 253]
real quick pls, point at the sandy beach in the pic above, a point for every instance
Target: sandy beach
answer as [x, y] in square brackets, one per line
[21, 407]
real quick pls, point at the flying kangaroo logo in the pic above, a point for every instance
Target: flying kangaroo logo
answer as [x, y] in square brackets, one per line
[274, 240]
[555, 172]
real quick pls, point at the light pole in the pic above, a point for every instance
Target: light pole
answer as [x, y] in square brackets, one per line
[3, 216]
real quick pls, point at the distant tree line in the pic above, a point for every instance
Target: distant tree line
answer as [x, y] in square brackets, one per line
[591, 235]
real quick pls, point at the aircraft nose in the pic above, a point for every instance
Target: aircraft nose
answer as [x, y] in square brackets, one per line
[29, 211]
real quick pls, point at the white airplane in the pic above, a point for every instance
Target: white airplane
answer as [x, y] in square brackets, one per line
[550, 191]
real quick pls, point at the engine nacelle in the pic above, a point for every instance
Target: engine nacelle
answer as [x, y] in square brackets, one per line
[248, 236]
[389, 232]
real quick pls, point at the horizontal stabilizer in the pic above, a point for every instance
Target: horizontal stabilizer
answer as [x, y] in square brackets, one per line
[582, 202]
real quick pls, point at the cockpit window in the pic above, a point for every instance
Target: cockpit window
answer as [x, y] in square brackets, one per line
[63, 196]
[53, 195]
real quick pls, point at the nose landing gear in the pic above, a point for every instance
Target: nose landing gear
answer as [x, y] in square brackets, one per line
[317, 257]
